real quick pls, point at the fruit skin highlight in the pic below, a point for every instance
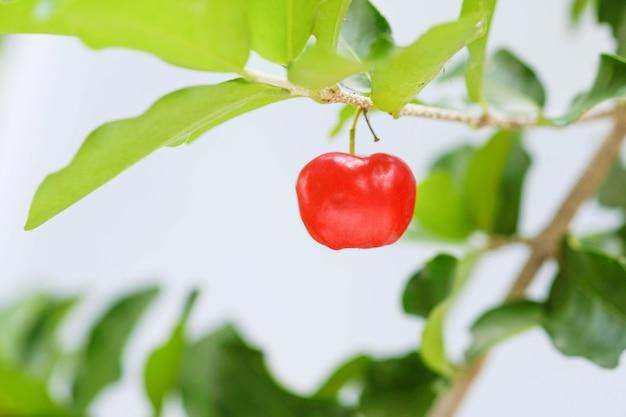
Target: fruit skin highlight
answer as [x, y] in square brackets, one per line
[349, 201]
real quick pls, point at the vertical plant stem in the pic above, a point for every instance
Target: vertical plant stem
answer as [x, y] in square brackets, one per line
[544, 246]
[353, 131]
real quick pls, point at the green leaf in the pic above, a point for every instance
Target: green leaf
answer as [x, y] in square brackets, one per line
[586, 309]
[612, 193]
[401, 77]
[433, 350]
[352, 370]
[440, 209]
[22, 395]
[101, 361]
[502, 323]
[610, 83]
[398, 387]
[478, 49]
[177, 118]
[281, 28]
[318, 68]
[429, 286]
[388, 387]
[512, 86]
[222, 376]
[612, 242]
[29, 332]
[161, 374]
[329, 21]
[41, 351]
[495, 181]
[365, 33]
[206, 34]
[613, 12]
[346, 114]
[578, 7]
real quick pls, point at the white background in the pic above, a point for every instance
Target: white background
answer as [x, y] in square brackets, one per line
[222, 215]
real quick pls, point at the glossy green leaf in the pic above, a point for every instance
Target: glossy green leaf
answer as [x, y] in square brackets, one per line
[22, 395]
[206, 34]
[330, 18]
[512, 86]
[398, 387]
[433, 350]
[318, 68]
[346, 114]
[586, 309]
[222, 376]
[401, 77]
[610, 83]
[162, 370]
[612, 193]
[613, 12]
[177, 118]
[495, 181]
[429, 286]
[440, 209]
[100, 364]
[478, 49]
[281, 28]
[502, 323]
[365, 33]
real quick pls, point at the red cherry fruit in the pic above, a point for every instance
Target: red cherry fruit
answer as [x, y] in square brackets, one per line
[349, 201]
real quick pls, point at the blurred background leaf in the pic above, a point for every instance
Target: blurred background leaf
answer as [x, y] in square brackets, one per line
[162, 371]
[100, 363]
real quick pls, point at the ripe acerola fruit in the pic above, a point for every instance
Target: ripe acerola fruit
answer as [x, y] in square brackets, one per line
[348, 201]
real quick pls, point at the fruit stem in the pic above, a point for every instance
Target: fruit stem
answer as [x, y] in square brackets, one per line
[353, 131]
[369, 125]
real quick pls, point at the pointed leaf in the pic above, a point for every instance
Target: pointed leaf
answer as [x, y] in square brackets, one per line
[586, 309]
[512, 86]
[177, 118]
[352, 370]
[610, 84]
[495, 181]
[281, 28]
[401, 77]
[478, 49]
[365, 34]
[101, 361]
[429, 286]
[502, 323]
[433, 350]
[161, 374]
[330, 18]
[206, 35]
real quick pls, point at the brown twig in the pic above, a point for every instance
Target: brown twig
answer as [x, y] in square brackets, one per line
[542, 248]
[336, 95]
